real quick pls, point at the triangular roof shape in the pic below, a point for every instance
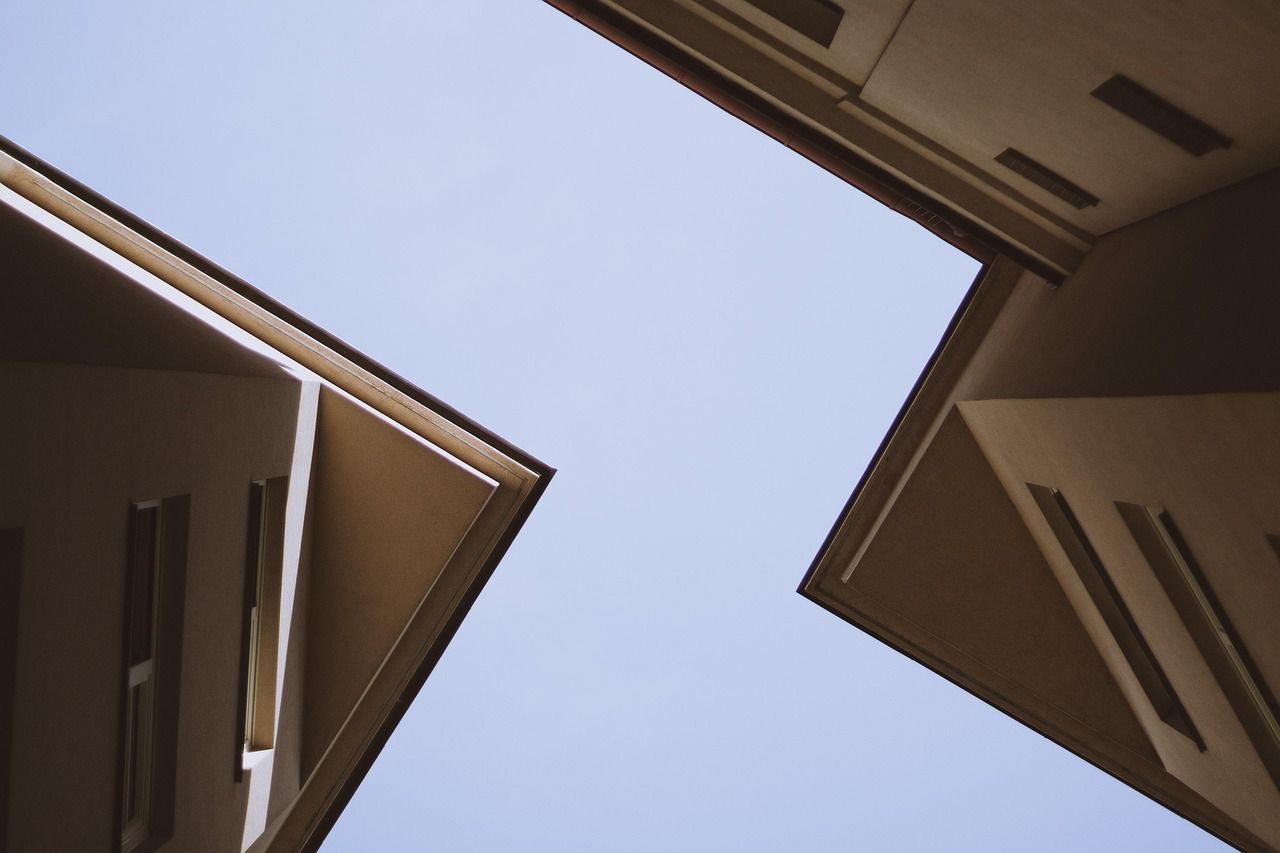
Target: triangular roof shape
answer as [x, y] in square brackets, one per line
[399, 506]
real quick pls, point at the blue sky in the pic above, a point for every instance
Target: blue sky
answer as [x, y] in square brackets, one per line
[705, 333]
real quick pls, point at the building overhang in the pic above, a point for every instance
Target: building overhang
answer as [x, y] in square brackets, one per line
[1005, 129]
[813, 111]
[376, 433]
[940, 554]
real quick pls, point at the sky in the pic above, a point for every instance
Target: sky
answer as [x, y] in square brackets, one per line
[706, 334]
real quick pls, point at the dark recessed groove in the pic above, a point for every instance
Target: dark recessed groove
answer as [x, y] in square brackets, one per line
[1047, 179]
[1115, 613]
[814, 19]
[1156, 114]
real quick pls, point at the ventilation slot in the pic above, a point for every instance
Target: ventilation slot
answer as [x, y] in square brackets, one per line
[1111, 607]
[923, 215]
[1046, 179]
[815, 19]
[1209, 625]
[1155, 113]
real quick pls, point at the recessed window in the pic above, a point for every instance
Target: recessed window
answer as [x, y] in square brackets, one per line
[815, 19]
[155, 586]
[1210, 625]
[1047, 179]
[10, 583]
[264, 555]
[1155, 113]
[144, 571]
[1102, 590]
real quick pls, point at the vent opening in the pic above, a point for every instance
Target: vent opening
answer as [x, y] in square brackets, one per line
[1045, 178]
[814, 19]
[1156, 114]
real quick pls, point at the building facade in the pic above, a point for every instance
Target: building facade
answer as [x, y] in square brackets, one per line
[231, 547]
[1074, 516]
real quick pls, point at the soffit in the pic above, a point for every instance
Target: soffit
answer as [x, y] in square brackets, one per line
[954, 558]
[981, 77]
[387, 512]
[442, 440]
[865, 29]
[59, 304]
[931, 92]
[1224, 494]
[739, 58]
[954, 578]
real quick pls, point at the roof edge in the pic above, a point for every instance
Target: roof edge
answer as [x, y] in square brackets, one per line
[678, 63]
[896, 426]
[542, 473]
[325, 821]
[277, 309]
[1239, 838]
[927, 400]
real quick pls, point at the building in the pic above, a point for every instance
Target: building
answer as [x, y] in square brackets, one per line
[231, 547]
[1075, 516]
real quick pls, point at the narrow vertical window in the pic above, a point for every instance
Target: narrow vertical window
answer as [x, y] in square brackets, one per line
[1210, 626]
[144, 570]
[155, 585]
[10, 583]
[1102, 590]
[264, 555]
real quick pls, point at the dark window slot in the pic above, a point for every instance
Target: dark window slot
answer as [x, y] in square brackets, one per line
[1210, 626]
[1045, 178]
[1102, 591]
[815, 19]
[1159, 116]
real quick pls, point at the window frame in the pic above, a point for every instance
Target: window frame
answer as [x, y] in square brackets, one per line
[149, 699]
[1210, 626]
[260, 618]
[1115, 613]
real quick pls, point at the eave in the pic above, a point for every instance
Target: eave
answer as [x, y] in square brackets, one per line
[892, 466]
[889, 164]
[522, 478]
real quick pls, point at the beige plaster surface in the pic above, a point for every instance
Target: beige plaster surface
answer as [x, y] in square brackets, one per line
[1211, 462]
[65, 306]
[1180, 304]
[89, 441]
[955, 558]
[981, 77]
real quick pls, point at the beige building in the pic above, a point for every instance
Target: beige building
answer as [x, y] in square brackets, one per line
[1076, 516]
[231, 547]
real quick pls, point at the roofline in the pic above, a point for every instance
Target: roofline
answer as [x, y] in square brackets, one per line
[360, 769]
[543, 472]
[894, 426]
[1238, 841]
[683, 66]
[282, 312]
[1235, 836]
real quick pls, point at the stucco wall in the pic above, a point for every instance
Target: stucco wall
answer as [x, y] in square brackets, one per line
[77, 445]
[1211, 461]
[388, 511]
[1182, 303]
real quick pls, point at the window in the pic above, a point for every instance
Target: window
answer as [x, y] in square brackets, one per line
[10, 581]
[1102, 590]
[1210, 626]
[259, 639]
[155, 586]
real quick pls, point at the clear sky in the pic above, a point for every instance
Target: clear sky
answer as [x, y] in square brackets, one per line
[705, 333]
